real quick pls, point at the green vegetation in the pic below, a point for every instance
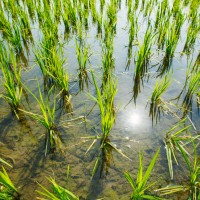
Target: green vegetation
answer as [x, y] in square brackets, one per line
[174, 141]
[59, 193]
[105, 101]
[7, 189]
[192, 187]
[139, 185]
[47, 119]
[11, 71]
[135, 43]
[157, 105]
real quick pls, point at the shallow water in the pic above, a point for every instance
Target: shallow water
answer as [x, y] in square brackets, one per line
[22, 142]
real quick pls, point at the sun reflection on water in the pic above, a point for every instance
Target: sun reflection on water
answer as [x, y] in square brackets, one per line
[135, 119]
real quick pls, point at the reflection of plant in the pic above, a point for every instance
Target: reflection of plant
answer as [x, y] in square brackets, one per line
[193, 187]
[139, 185]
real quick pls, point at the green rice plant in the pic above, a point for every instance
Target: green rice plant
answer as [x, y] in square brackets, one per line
[192, 34]
[192, 89]
[104, 158]
[162, 12]
[11, 79]
[47, 22]
[136, 4]
[83, 12]
[71, 12]
[5, 25]
[105, 101]
[12, 7]
[79, 30]
[129, 4]
[31, 7]
[4, 162]
[107, 57]
[186, 2]
[139, 185]
[58, 192]
[133, 29]
[93, 10]
[171, 43]
[143, 54]
[66, 19]
[11, 34]
[57, 10]
[197, 62]
[51, 61]
[14, 38]
[24, 25]
[82, 53]
[179, 21]
[191, 86]
[174, 141]
[194, 6]
[198, 99]
[112, 16]
[177, 4]
[149, 8]
[99, 25]
[162, 25]
[156, 103]
[102, 3]
[7, 190]
[49, 57]
[142, 60]
[192, 186]
[46, 119]
[61, 79]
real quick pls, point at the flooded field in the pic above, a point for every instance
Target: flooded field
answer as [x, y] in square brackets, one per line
[94, 92]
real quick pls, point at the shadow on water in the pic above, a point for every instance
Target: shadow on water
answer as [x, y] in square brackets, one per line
[5, 125]
[101, 169]
[96, 188]
[34, 162]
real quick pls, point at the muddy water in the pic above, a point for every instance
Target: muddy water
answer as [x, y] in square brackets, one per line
[22, 142]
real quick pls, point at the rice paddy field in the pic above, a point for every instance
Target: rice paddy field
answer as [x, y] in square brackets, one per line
[99, 99]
